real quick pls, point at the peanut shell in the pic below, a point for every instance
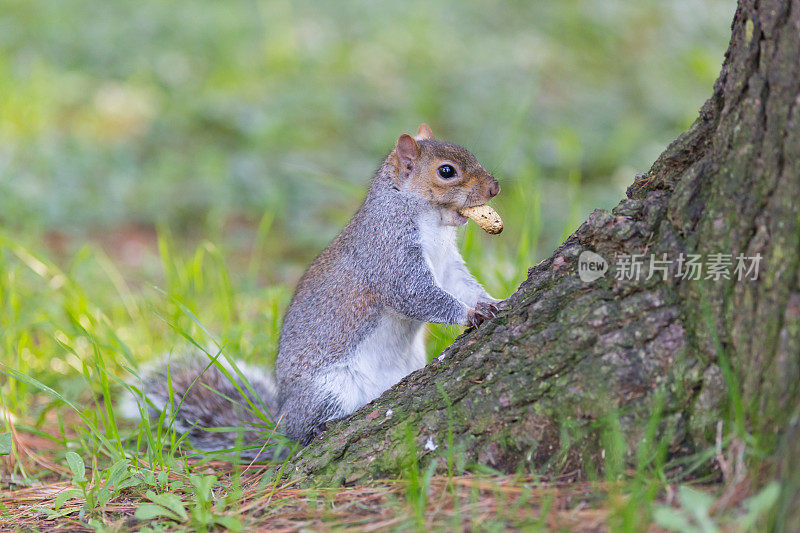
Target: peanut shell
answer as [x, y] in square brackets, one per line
[486, 217]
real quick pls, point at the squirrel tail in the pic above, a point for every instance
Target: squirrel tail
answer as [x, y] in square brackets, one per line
[217, 411]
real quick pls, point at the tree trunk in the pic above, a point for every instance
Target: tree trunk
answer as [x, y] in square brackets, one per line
[569, 364]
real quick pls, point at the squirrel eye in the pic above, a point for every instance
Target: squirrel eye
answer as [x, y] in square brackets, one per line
[447, 171]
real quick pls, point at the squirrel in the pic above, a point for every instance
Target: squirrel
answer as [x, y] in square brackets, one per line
[355, 325]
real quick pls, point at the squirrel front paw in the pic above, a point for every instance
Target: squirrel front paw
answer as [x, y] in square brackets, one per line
[481, 312]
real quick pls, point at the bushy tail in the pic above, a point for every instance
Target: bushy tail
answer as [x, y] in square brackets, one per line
[211, 402]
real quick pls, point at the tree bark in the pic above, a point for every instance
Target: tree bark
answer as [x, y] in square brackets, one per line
[568, 362]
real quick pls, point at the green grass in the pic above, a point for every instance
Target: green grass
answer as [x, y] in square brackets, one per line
[193, 111]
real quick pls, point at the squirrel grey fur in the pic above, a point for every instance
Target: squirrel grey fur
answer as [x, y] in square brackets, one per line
[355, 325]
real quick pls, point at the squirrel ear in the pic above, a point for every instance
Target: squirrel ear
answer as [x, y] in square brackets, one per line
[424, 133]
[408, 152]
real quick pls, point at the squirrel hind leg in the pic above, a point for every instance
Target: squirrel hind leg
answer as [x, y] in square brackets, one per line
[305, 415]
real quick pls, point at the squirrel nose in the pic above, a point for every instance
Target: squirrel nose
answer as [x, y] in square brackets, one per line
[494, 188]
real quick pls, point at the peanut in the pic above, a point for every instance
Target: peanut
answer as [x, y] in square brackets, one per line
[486, 217]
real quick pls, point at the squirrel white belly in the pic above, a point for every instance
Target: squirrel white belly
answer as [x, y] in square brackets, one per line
[355, 325]
[391, 351]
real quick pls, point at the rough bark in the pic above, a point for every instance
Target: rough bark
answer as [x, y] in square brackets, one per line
[534, 388]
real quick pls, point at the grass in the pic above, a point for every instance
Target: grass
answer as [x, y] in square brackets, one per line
[192, 112]
[491, 504]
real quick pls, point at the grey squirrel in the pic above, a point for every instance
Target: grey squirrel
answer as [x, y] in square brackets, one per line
[355, 324]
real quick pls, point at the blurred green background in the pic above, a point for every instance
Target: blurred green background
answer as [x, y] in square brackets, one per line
[249, 130]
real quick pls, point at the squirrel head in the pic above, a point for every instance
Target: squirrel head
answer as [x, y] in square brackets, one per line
[446, 175]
